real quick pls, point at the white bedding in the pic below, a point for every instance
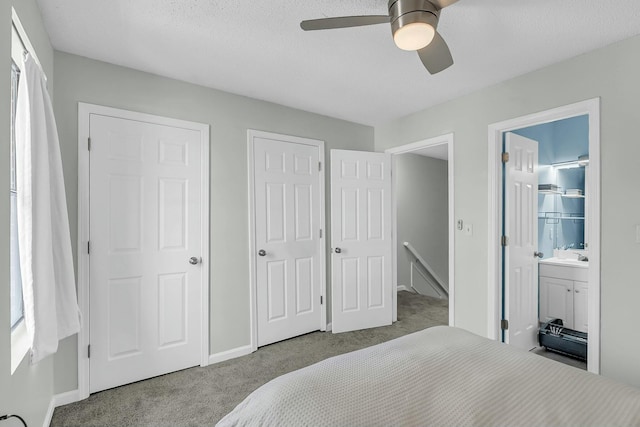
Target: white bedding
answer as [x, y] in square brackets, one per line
[441, 376]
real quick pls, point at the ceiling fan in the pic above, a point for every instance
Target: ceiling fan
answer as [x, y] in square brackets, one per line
[413, 24]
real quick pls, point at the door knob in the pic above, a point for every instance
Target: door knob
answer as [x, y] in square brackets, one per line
[194, 260]
[338, 250]
[262, 252]
[538, 254]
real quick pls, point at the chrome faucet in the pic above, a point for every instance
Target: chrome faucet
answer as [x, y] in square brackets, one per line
[582, 257]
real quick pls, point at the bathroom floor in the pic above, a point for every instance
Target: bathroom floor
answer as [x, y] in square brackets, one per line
[560, 358]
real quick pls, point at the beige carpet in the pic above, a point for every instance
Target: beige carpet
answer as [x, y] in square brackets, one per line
[201, 396]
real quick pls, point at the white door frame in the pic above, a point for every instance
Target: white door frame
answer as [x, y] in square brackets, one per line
[253, 318]
[84, 114]
[408, 148]
[591, 108]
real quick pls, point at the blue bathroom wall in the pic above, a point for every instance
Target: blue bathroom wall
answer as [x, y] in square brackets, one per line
[560, 141]
[572, 136]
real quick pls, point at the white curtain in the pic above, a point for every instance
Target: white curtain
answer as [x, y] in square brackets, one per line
[48, 282]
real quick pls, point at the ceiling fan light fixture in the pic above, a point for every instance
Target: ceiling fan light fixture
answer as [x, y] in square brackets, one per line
[414, 36]
[413, 23]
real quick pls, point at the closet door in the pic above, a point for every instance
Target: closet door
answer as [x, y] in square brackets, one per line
[146, 245]
[288, 244]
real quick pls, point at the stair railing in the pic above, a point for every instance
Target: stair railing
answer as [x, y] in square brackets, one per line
[437, 284]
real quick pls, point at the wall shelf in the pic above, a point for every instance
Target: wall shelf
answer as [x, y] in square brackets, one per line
[549, 192]
[556, 217]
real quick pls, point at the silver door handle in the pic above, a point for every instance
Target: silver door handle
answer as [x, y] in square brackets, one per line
[262, 252]
[338, 250]
[538, 254]
[194, 260]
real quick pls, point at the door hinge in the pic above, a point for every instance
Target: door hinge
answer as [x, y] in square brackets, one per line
[504, 241]
[505, 157]
[504, 324]
[321, 300]
[89, 144]
[319, 166]
[321, 233]
[89, 351]
[88, 247]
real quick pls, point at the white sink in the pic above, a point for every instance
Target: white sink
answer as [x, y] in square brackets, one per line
[565, 262]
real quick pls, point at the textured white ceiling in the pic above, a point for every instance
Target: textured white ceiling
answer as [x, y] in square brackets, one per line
[257, 49]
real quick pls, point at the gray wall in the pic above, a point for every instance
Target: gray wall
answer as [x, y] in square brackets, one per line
[422, 214]
[29, 390]
[81, 79]
[610, 73]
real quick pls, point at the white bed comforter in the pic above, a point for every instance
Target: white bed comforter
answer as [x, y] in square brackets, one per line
[441, 376]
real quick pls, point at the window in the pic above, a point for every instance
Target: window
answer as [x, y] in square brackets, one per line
[19, 337]
[17, 307]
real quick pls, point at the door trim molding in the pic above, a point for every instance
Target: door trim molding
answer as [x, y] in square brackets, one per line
[408, 148]
[322, 245]
[591, 108]
[84, 112]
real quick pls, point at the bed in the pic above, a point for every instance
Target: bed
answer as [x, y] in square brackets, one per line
[441, 376]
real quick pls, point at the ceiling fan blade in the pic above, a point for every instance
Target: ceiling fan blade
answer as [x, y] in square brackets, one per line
[441, 4]
[343, 22]
[436, 56]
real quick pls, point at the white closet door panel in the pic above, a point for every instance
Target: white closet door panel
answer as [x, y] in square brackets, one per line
[287, 225]
[145, 204]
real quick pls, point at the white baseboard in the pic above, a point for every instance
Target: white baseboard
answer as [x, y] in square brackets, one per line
[49, 414]
[329, 326]
[402, 288]
[66, 398]
[230, 354]
[60, 399]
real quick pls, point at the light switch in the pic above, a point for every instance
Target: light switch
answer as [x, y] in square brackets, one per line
[460, 224]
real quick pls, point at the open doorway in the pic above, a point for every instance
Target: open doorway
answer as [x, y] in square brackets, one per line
[564, 226]
[423, 200]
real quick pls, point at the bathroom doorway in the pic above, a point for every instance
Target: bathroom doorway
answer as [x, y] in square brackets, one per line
[562, 238]
[567, 228]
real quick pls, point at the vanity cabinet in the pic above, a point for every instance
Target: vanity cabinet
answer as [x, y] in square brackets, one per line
[564, 295]
[580, 306]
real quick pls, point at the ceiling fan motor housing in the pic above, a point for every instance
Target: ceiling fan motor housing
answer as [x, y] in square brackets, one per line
[403, 12]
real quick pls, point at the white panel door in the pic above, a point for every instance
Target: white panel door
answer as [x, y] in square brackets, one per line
[287, 238]
[145, 225]
[360, 240]
[521, 225]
